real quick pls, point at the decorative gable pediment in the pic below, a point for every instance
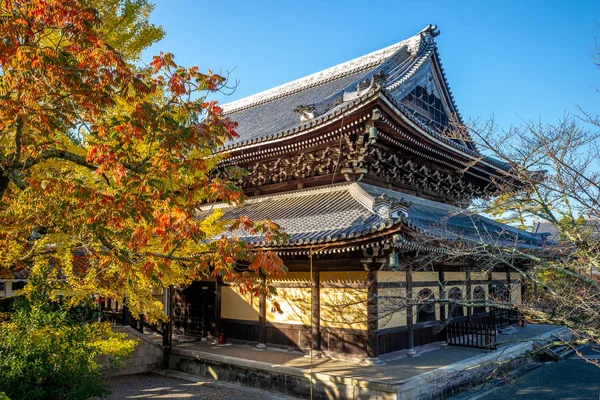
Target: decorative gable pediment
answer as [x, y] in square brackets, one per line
[425, 95]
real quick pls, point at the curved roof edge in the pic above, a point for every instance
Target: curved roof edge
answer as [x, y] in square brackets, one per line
[413, 43]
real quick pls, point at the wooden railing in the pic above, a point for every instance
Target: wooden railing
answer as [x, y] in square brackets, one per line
[123, 317]
[482, 336]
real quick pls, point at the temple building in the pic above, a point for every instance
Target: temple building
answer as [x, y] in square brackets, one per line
[365, 166]
[359, 163]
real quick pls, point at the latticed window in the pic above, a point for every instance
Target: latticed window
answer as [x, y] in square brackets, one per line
[426, 307]
[429, 106]
[456, 310]
[499, 292]
[479, 297]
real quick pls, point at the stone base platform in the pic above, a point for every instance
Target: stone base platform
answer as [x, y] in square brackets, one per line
[434, 374]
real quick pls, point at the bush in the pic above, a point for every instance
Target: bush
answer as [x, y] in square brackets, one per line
[48, 352]
[5, 306]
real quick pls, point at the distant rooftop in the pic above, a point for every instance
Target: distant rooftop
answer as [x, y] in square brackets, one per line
[547, 228]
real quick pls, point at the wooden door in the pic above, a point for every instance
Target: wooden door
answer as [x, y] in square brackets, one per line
[194, 310]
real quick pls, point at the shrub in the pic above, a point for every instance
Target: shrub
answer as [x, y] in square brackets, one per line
[47, 352]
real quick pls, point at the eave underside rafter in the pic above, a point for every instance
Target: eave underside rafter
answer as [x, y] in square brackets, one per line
[411, 159]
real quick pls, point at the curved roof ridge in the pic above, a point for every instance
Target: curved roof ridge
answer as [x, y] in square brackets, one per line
[337, 71]
[361, 195]
[336, 187]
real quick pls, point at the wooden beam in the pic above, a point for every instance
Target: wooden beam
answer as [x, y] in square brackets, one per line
[168, 327]
[492, 312]
[442, 283]
[328, 264]
[468, 288]
[508, 288]
[262, 317]
[315, 296]
[218, 286]
[410, 312]
[372, 314]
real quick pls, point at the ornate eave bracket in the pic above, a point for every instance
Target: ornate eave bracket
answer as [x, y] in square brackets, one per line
[374, 259]
[356, 167]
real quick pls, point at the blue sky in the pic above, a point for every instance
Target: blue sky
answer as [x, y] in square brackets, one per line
[510, 59]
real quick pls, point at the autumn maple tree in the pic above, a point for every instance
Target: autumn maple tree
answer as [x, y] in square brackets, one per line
[103, 164]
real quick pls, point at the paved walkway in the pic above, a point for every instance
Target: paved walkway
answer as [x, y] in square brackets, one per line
[173, 385]
[572, 378]
[395, 369]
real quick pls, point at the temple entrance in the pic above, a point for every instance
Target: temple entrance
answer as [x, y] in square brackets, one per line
[194, 310]
[499, 293]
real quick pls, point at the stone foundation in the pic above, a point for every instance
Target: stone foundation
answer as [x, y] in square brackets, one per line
[147, 356]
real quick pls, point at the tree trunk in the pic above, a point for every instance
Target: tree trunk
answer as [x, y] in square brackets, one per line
[3, 184]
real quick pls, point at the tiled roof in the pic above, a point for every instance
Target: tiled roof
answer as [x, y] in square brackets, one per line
[451, 142]
[276, 116]
[589, 227]
[354, 210]
[323, 215]
[439, 220]
[270, 114]
[362, 63]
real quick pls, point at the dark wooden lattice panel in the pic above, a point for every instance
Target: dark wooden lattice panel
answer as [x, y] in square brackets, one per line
[429, 106]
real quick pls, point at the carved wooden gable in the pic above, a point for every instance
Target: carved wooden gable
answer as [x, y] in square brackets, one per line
[426, 95]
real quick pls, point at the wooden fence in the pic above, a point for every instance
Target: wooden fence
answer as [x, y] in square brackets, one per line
[481, 336]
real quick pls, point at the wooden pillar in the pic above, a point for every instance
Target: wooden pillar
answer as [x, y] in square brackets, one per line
[510, 314]
[204, 331]
[372, 264]
[508, 288]
[442, 283]
[410, 332]
[315, 316]
[492, 311]
[168, 327]
[218, 285]
[536, 293]
[469, 296]
[262, 317]
[126, 313]
[372, 313]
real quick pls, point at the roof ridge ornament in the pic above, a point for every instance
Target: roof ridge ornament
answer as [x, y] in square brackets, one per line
[378, 79]
[390, 207]
[431, 29]
[426, 38]
[375, 83]
[306, 112]
[382, 206]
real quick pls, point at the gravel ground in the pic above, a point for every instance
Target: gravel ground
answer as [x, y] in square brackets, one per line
[151, 386]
